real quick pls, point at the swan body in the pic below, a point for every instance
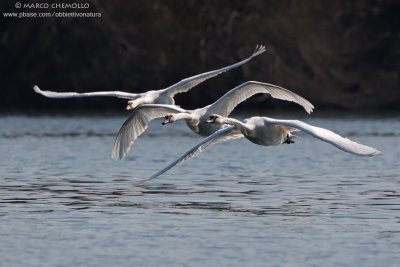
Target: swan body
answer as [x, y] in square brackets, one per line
[193, 120]
[162, 96]
[137, 122]
[269, 132]
[257, 130]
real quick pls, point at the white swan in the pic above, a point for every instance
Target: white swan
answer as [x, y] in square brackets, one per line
[268, 132]
[137, 122]
[162, 96]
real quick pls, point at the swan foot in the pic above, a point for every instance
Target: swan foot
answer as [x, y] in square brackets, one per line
[288, 140]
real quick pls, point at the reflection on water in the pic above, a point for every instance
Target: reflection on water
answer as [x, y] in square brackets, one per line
[63, 201]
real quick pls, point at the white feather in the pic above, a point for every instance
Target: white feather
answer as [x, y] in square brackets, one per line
[259, 131]
[137, 123]
[162, 96]
[221, 135]
[186, 84]
[52, 94]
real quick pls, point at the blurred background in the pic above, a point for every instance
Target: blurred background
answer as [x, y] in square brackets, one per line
[337, 54]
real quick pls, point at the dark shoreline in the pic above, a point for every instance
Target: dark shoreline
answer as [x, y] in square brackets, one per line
[336, 54]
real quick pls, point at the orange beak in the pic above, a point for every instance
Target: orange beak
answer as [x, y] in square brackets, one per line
[167, 120]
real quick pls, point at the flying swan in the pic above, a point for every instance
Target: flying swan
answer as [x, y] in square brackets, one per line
[139, 119]
[162, 96]
[268, 132]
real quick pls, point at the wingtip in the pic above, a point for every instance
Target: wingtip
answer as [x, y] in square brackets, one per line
[371, 152]
[117, 152]
[377, 153]
[36, 89]
[142, 181]
[310, 109]
[259, 50]
[116, 156]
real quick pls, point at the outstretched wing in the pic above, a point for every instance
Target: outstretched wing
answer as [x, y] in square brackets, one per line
[219, 136]
[231, 99]
[186, 84]
[329, 137]
[52, 94]
[137, 123]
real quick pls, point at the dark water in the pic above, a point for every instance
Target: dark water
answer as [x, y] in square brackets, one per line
[64, 202]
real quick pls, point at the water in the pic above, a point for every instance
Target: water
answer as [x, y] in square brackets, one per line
[64, 202]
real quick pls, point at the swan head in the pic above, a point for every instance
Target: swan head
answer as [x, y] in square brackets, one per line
[173, 117]
[215, 118]
[169, 119]
[132, 104]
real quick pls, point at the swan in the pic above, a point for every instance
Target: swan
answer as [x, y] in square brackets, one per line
[268, 132]
[162, 96]
[138, 121]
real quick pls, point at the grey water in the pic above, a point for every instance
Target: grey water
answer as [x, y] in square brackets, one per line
[65, 202]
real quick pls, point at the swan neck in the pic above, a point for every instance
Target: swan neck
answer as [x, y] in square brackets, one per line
[183, 116]
[137, 102]
[238, 124]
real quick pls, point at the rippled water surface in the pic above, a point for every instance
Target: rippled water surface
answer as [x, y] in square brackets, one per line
[64, 202]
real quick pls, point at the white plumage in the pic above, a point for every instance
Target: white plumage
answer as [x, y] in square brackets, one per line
[162, 96]
[137, 122]
[269, 132]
